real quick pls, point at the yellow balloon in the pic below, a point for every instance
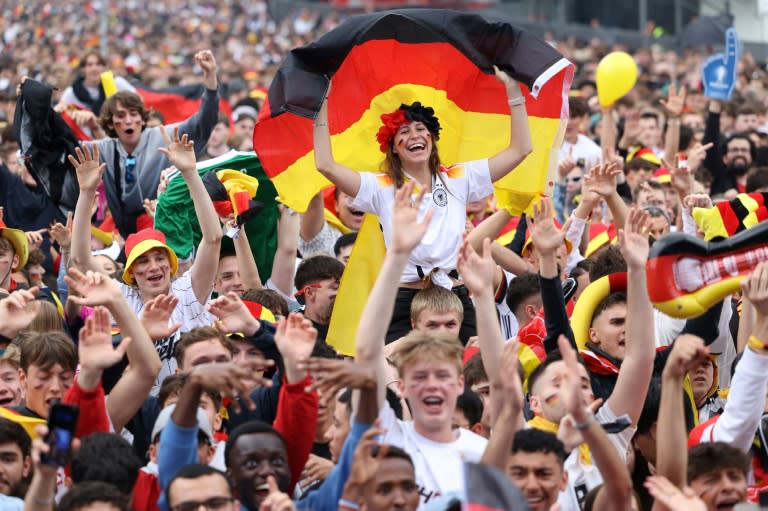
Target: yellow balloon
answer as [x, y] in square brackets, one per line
[616, 75]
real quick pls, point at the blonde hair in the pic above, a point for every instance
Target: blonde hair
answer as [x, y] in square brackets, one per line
[12, 355]
[436, 299]
[47, 319]
[419, 345]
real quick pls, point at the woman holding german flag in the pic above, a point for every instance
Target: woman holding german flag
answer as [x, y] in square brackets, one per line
[408, 139]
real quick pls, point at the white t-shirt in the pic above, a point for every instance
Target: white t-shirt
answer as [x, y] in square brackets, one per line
[507, 319]
[583, 478]
[464, 182]
[585, 149]
[439, 469]
[189, 312]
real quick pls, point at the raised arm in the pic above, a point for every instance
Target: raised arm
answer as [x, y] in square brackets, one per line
[284, 263]
[507, 399]
[520, 144]
[601, 180]
[477, 273]
[504, 257]
[246, 264]
[181, 154]
[313, 219]
[89, 173]
[547, 239]
[671, 436]
[200, 125]
[635, 375]
[129, 392]
[674, 106]
[374, 321]
[346, 179]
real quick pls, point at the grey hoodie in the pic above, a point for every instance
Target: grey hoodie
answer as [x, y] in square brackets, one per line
[150, 162]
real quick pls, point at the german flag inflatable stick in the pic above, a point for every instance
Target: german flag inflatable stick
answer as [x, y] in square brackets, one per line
[443, 59]
[728, 218]
[687, 275]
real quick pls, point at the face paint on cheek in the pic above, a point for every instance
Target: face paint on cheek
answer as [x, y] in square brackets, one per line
[552, 400]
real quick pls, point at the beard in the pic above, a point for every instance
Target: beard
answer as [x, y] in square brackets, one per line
[738, 167]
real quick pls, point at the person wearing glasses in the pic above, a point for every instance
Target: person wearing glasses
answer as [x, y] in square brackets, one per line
[197, 486]
[130, 152]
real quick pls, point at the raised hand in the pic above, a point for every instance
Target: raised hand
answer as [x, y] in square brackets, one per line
[546, 237]
[407, 231]
[234, 380]
[295, 338]
[87, 166]
[330, 376]
[17, 311]
[206, 61]
[688, 351]
[509, 83]
[631, 127]
[317, 468]
[276, 500]
[675, 101]
[565, 165]
[366, 461]
[233, 315]
[601, 179]
[95, 350]
[697, 154]
[35, 238]
[155, 315]
[179, 150]
[633, 239]
[509, 378]
[477, 271]
[682, 177]
[92, 287]
[755, 289]
[62, 234]
[671, 497]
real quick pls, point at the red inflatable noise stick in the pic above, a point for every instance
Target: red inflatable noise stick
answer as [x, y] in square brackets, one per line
[687, 276]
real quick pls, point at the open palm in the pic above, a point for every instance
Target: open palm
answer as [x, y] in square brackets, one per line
[93, 288]
[95, 349]
[407, 231]
[179, 150]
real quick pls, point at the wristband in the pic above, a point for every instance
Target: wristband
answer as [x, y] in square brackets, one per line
[348, 504]
[319, 124]
[518, 101]
[756, 344]
[581, 426]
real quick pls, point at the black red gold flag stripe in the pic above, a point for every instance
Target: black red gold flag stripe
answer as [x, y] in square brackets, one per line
[442, 58]
[177, 103]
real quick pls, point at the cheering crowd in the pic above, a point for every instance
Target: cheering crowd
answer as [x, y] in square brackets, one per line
[197, 384]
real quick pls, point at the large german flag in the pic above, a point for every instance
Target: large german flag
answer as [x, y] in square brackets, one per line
[442, 58]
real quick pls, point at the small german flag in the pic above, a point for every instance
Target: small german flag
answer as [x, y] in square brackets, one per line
[728, 218]
[177, 103]
[444, 59]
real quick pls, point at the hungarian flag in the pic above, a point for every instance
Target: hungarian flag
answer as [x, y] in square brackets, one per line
[444, 59]
[177, 103]
[175, 215]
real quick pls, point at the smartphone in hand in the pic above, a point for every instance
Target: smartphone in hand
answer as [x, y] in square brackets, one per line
[62, 421]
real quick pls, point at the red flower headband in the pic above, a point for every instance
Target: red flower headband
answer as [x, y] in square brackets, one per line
[392, 123]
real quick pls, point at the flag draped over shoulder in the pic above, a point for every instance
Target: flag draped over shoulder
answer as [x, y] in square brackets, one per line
[177, 103]
[443, 59]
[175, 215]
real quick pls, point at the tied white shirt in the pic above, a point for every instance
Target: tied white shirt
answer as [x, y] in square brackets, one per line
[451, 191]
